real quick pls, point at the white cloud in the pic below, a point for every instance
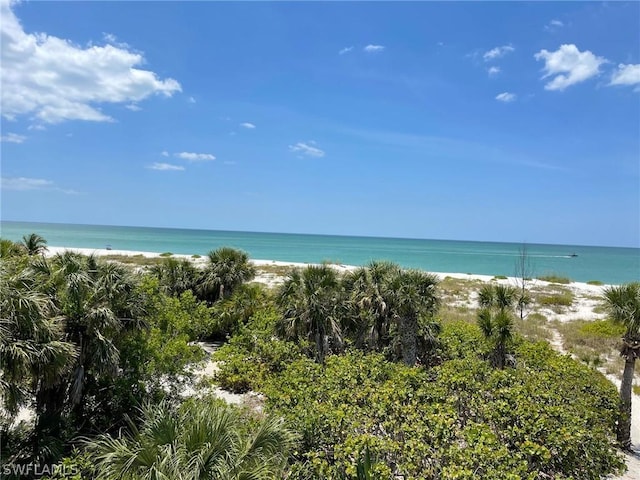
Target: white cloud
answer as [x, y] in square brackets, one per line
[195, 157]
[554, 24]
[626, 75]
[373, 48]
[164, 153]
[497, 52]
[345, 50]
[13, 138]
[493, 71]
[23, 183]
[165, 167]
[306, 149]
[54, 80]
[248, 125]
[506, 97]
[569, 65]
[191, 100]
[133, 107]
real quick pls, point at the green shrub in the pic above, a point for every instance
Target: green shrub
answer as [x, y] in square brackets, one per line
[549, 416]
[595, 282]
[166, 254]
[500, 277]
[602, 329]
[564, 299]
[253, 354]
[553, 278]
[195, 256]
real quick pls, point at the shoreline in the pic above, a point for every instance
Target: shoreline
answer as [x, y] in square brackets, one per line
[101, 252]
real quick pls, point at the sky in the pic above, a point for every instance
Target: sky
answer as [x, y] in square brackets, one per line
[506, 121]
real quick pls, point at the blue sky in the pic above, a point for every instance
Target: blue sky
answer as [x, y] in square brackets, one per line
[472, 121]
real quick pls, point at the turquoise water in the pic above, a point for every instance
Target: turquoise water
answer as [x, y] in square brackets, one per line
[607, 264]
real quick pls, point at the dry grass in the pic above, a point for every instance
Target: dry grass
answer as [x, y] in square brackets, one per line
[533, 327]
[137, 260]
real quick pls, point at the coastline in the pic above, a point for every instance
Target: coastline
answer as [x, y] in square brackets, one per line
[101, 252]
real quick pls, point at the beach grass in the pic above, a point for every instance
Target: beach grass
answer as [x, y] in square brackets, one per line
[136, 260]
[555, 278]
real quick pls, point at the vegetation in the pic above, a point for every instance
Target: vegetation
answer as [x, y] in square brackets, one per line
[200, 439]
[623, 303]
[595, 282]
[554, 278]
[379, 373]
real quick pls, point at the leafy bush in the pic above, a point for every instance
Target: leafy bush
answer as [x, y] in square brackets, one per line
[549, 416]
[595, 282]
[253, 354]
[602, 329]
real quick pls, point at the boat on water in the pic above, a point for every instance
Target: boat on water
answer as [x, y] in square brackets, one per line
[573, 255]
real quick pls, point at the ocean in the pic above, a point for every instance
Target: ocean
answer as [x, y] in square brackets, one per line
[611, 265]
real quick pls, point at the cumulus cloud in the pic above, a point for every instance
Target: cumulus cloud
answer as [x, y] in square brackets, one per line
[165, 167]
[307, 149]
[345, 50]
[626, 75]
[373, 48]
[506, 97]
[133, 107]
[493, 71]
[13, 138]
[248, 125]
[54, 80]
[195, 157]
[497, 52]
[191, 100]
[164, 153]
[569, 65]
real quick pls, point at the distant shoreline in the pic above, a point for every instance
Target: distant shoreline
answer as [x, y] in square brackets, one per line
[101, 252]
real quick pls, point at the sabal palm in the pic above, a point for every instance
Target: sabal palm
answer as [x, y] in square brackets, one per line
[227, 269]
[95, 302]
[34, 244]
[623, 303]
[31, 346]
[497, 327]
[34, 358]
[368, 290]
[309, 299]
[414, 299]
[176, 276]
[502, 297]
[9, 248]
[201, 440]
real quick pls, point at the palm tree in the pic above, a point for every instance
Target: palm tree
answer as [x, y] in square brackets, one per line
[202, 440]
[9, 248]
[34, 244]
[95, 301]
[310, 299]
[495, 319]
[227, 269]
[176, 276]
[623, 303]
[414, 299]
[34, 358]
[369, 296]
